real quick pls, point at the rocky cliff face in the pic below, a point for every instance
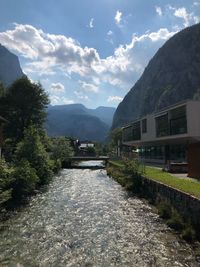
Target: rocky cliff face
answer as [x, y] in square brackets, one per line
[172, 75]
[10, 69]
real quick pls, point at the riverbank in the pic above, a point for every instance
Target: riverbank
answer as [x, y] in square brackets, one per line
[86, 218]
[176, 199]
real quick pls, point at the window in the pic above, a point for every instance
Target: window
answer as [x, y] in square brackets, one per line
[136, 133]
[162, 125]
[144, 125]
[178, 121]
[127, 134]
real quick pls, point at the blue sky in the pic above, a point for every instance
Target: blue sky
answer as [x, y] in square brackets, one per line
[87, 51]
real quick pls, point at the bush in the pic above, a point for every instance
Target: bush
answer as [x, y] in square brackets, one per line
[32, 150]
[164, 210]
[175, 221]
[25, 180]
[188, 234]
[5, 183]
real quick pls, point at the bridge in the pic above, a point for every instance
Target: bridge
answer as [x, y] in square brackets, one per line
[68, 163]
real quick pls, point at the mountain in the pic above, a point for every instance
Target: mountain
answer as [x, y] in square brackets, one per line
[10, 69]
[172, 75]
[77, 121]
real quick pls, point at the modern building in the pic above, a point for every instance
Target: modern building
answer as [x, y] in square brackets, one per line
[2, 121]
[168, 135]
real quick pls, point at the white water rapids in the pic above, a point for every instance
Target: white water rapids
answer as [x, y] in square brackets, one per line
[86, 219]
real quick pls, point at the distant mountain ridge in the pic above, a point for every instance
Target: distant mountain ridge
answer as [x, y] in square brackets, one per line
[80, 122]
[10, 69]
[172, 75]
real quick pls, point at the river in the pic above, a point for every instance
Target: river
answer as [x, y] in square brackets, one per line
[86, 219]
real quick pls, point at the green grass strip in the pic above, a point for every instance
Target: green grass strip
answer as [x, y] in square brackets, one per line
[189, 186]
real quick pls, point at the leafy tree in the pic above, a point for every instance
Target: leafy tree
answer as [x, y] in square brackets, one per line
[61, 148]
[5, 183]
[116, 135]
[25, 180]
[23, 105]
[32, 150]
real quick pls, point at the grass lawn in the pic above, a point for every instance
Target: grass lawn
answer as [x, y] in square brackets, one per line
[189, 186]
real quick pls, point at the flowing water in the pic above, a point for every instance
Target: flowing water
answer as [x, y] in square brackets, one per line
[87, 219]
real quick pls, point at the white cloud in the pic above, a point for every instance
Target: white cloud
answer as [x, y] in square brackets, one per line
[118, 17]
[109, 33]
[188, 18]
[91, 24]
[57, 88]
[158, 10]
[182, 13]
[81, 96]
[196, 3]
[88, 87]
[48, 53]
[114, 99]
[56, 100]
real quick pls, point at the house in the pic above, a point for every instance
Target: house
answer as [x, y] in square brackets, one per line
[2, 121]
[171, 135]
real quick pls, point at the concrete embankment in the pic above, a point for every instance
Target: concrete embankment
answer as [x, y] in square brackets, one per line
[186, 205]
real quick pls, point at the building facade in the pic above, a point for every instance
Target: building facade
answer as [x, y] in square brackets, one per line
[166, 135]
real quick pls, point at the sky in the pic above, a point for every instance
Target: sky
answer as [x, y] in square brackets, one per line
[88, 51]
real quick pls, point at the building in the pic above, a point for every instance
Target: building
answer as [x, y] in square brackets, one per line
[2, 121]
[167, 136]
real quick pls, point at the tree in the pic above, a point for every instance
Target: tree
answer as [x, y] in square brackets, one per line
[32, 150]
[61, 148]
[24, 104]
[25, 180]
[5, 183]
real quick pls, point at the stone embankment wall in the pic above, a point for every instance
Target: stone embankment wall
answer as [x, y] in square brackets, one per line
[187, 205]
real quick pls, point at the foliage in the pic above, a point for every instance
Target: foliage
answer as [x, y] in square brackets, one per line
[175, 222]
[189, 186]
[5, 183]
[101, 149]
[32, 150]
[61, 148]
[25, 180]
[115, 135]
[188, 234]
[23, 105]
[164, 210]
[127, 173]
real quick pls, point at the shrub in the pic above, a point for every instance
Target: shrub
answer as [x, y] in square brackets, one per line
[164, 210]
[32, 150]
[188, 234]
[25, 180]
[5, 183]
[175, 221]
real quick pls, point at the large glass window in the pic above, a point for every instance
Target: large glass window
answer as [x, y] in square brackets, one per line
[127, 134]
[152, 152]
[178, 120]
[136, 131]
[144, 125]
[162, 125]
